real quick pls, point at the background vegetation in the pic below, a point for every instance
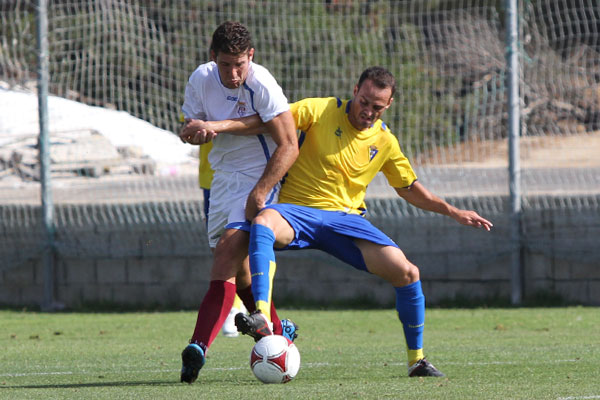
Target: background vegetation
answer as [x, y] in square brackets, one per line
[448, 56]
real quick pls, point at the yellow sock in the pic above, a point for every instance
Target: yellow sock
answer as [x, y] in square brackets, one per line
[414, 356]
[264, 308]
[237, 302]
[264, 305]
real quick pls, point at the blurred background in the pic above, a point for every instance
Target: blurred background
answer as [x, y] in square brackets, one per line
[126, 223]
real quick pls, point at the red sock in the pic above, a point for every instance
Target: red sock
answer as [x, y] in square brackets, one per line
[245, 295]
[213, 311]
[248, 299]
[277, 329]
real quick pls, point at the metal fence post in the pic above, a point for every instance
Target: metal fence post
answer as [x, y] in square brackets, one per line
[514, 124]
[49, 251]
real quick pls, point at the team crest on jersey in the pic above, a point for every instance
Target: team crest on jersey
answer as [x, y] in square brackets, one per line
[372, 152]
[241, 108]
[338, 132]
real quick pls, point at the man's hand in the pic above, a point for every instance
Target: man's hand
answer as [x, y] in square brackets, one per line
[471, 218]
[254, 203]
[196, 131]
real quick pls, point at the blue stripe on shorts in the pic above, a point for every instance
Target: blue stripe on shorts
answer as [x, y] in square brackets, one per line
[241, 225]
[330, 231]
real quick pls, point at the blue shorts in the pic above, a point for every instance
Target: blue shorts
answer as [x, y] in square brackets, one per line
[330, 231]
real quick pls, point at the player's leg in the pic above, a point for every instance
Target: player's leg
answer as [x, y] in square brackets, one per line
[283, 327]
[229, 329]
[228, 257]
[391, 264]
[356, 241]
[269, 228]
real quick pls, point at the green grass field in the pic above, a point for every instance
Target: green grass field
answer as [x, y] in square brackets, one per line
[528, 353]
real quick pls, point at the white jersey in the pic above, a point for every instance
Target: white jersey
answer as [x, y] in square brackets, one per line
[207, 98]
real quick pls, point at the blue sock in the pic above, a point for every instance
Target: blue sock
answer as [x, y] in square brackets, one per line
[262, 266]
[410, 304]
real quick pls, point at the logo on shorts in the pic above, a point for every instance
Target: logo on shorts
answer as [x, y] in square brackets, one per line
[372, 152]
[338, 132]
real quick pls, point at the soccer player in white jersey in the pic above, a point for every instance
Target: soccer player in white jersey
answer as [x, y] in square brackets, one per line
[344, 144]
[247, 172]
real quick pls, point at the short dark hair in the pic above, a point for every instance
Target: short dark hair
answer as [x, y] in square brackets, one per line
[381, 77]
[231, 38]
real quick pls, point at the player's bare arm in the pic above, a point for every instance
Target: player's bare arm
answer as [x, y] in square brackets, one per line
[195, 131]
[283, 131]
[419, 196]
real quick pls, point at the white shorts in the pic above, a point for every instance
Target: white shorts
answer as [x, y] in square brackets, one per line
[228, 194]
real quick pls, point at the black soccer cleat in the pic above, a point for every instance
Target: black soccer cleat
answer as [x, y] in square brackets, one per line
[255, 325]
[192, 360]
[423, 368]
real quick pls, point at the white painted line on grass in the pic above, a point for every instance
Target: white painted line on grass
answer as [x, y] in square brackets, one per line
[304, 365]
[597, 396]
[37, 374]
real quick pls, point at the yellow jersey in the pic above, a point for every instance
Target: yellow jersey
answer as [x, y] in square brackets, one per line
[337, 161]
[205, 172]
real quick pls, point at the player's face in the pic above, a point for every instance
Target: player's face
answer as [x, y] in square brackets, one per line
[233, 68]
[368, 104]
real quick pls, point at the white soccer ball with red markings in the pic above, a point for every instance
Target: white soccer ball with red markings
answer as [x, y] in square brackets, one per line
[275, 359]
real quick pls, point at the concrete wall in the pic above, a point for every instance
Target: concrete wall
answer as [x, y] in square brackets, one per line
[170, 267]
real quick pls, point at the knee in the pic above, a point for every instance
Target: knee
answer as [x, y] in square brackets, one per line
[407, 275]
[413, 274]
[261, 219]
[267, 217]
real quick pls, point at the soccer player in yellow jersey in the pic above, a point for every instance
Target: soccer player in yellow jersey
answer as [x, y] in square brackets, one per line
[343, 145]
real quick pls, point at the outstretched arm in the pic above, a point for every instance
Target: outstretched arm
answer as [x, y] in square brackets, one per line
[196, 131]
[419, 196]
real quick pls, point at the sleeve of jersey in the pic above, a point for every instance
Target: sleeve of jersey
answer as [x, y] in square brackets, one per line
[269, 100]
[305, 113]
[397, 169]
[192, 103]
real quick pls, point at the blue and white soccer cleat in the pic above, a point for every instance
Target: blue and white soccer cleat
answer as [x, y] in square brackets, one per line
[290, 329]
[192, 360]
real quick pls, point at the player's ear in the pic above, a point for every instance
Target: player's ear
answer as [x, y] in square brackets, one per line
[355, 90]
[213, 56]
[250, 54]
[389, 103]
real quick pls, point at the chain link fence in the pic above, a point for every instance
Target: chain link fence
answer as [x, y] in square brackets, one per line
[114, 61]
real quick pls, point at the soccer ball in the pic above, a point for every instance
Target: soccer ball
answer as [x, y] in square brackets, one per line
[275, 359]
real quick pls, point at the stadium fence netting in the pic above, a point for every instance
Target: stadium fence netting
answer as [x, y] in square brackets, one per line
[450, 112]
